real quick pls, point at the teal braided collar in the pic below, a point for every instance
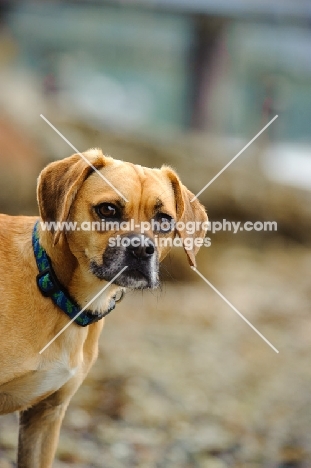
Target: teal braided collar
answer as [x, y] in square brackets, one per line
[50, 287]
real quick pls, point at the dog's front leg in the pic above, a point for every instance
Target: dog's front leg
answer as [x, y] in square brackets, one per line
[39, 432]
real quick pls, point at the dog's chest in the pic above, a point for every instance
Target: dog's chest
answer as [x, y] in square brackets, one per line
[54, 376]
[29, 388]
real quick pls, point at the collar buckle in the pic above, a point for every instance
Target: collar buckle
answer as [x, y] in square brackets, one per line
[47, 282]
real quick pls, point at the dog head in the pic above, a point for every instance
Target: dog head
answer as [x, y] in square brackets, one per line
[126, 218]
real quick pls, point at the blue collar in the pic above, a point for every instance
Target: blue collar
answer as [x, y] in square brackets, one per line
[50, 287]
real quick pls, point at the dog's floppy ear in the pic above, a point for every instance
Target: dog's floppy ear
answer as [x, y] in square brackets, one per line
[188, 212]
[59, 183]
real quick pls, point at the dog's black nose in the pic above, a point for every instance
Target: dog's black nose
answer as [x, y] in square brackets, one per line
[140, 246]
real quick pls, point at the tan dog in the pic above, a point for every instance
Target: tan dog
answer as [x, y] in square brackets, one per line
[40, 386]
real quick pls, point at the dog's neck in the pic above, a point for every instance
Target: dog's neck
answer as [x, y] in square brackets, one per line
[76, 278]
[63, 261]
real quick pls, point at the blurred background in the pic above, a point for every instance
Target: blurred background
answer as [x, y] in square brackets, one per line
[181, 381]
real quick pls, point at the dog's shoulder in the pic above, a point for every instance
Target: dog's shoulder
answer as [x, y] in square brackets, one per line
[15, 233]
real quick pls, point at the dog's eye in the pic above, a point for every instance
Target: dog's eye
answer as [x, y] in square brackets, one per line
[107, 210]
[163, 223]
